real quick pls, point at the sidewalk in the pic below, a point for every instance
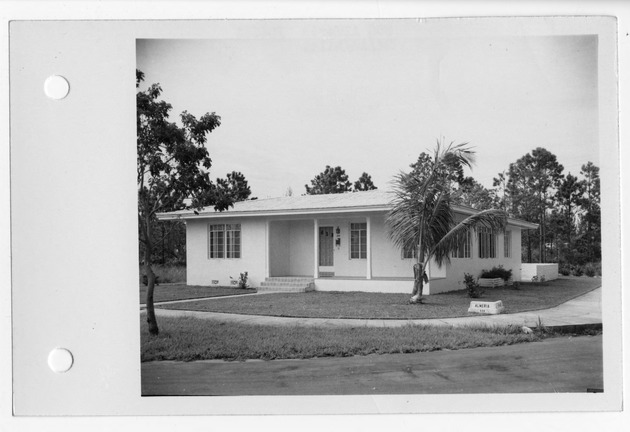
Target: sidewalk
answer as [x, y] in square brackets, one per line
[582, 311]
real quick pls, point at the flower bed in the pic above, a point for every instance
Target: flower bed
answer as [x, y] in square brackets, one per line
[491, 282]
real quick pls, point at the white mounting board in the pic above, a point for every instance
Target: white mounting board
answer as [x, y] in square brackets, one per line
[74, 222]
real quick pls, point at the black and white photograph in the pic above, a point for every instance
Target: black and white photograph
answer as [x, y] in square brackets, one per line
[370, 207]
[387, 216]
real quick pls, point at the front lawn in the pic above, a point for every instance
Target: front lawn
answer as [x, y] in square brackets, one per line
[188, 339]
[181, 292]
[314, 304]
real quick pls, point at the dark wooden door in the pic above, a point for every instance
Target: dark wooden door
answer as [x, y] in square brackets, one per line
[326, 240]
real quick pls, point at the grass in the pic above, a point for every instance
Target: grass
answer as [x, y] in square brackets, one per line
[182, 292]
[188, 339]
[530, 296]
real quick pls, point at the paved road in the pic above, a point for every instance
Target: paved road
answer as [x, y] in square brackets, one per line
[555, 365]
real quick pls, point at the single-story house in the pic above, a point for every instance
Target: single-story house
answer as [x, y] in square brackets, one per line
[336, 242]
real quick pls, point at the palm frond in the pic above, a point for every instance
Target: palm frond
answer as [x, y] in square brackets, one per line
[422, 217]
[462, 154]
[495, 220]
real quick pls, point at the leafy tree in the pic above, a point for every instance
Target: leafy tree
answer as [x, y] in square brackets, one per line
[169, 242]
[170, 236]
[500, 192]
[331, 181]
[422, 218]
[451, 171]
[532, 184]
[232, 189]
[591, 232]
[364, 183]
[473, 194]
[555, 235]
[569, 197]
[172, 165]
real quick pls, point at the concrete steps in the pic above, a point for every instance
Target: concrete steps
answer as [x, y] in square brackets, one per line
[288, 284]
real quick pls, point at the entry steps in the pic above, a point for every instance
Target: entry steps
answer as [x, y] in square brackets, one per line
[288, 284]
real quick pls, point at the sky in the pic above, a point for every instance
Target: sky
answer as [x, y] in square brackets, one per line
[292, 105]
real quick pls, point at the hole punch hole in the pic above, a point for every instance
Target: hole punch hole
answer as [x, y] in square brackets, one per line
[56, 87]
[60, 360]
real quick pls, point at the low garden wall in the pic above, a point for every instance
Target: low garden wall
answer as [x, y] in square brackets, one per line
[529, 270]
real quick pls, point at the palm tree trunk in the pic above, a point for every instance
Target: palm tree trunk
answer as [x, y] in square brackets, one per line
[418, 283]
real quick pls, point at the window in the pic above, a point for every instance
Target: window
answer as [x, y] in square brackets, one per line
[487, 243]
[218, 247]
[507, 244]
[463, 246]
[233, 245]
[358, 240]
[410, 252]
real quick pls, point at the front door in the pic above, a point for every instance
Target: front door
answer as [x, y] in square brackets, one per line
[326, 240]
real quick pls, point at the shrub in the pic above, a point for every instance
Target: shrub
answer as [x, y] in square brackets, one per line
[242, 280]
[589, 270]
[565, 270]
[539, 279]
[472, 286]
[497, 272]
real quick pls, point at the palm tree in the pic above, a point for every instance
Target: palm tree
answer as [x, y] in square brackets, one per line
[422, 219]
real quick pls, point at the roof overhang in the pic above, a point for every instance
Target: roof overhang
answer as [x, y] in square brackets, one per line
[262, 213]
[189, 214]
[522, 224]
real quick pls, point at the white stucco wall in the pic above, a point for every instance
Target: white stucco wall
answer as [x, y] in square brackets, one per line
[404, 286]
[529, 270]
[279, 248]
[200, 270]
[301, 248]
[387, 260]
[475, 265]
[291, 248]
[291, 253]
[343, 264]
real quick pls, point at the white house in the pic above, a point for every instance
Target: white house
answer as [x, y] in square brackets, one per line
[336, 242]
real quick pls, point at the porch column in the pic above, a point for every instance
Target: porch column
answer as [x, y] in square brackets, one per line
[316, 248]
[267, 249]
[368, 273]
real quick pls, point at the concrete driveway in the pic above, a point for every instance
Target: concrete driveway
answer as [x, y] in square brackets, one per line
[564, 364]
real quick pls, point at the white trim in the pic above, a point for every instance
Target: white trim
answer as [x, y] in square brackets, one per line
[316, 247]
[350, 223]
[507, 241]
[228, 214]
[368, 221]
[188, 214]
[267, 249]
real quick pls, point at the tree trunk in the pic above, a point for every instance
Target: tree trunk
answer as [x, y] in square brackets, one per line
[163, 235]
[151, 320]
[542, 243]
[418, 284]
